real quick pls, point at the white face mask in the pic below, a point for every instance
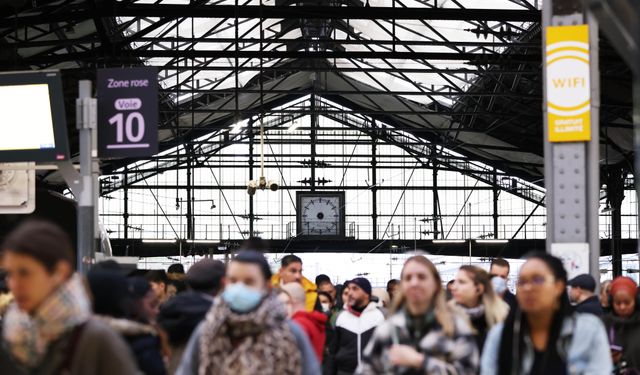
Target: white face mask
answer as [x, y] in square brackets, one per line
[325, 307]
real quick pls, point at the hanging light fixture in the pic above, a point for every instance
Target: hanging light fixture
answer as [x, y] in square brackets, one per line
[261, 183]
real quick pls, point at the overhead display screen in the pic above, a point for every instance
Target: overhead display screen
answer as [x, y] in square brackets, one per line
[33, 124]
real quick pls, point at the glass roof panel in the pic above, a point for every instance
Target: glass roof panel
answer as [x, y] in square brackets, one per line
[217, 34]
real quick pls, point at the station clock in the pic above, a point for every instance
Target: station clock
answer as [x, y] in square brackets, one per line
[320, 214]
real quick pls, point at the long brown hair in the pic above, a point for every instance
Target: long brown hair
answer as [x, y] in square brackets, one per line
[495, 310]
[443, 312]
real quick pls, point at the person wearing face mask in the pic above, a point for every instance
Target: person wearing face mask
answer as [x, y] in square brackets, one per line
[49, 328]
[326, 301]
[313, 323]
[472, 292]
[247, 332]
[623, 325]
[499, 285]
[424, 335]
[544, 335]
[354, 327]
[331, 310]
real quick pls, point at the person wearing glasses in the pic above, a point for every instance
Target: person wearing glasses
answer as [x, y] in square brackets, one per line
[544, 335]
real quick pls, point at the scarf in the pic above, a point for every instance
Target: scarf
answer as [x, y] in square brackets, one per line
[258, 342]
[473, 312]
[28, 336]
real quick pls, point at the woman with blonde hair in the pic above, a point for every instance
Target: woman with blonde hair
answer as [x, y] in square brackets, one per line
[424, 335]
[473, 293]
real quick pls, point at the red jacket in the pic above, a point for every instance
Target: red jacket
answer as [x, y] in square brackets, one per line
[313, 323]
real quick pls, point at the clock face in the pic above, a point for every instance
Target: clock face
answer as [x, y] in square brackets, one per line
[320, 215]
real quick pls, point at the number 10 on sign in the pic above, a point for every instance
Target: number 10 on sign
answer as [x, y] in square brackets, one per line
[131, 127]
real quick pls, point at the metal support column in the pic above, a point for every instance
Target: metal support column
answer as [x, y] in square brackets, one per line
[314, 125]
[571, 168]
[83, 184]
[251, 131]
[190, 203]
[125, 215]
[374, 185]
[495, 204]
[435, 194]
[614, 179]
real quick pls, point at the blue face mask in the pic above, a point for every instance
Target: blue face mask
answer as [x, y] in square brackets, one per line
[241, 298]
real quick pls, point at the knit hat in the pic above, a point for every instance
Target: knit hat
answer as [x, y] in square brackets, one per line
[621, 283]
[363, 283]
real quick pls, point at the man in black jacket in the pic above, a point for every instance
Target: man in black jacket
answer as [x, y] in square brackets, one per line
[500, 267]
[354, 327]
[582, 293]
[181, 315]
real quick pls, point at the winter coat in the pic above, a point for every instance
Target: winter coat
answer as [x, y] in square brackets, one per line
[510, 299]
[179, 317]
[98, 350]
[313, 324]
[191, 357]
[454, 355]
[625, 333]
[590, 305]
[582, 345]
[352, 333]
[310, 289]
[144, 343]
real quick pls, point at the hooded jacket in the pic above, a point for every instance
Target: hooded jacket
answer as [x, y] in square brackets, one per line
[313, 324]
[353, 332]
[310, 289]
[625, 333]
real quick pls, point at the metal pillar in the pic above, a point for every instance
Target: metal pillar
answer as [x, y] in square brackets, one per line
[314, 125]
[435, 195]
[571, 168]
[614, 179]
[84, 184]
[125, 215]
[619, 20]
[190, 199]
[495, 204]
[374, 185]
[251, 163]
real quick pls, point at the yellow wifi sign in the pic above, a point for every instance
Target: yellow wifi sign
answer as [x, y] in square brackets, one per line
[567, 83]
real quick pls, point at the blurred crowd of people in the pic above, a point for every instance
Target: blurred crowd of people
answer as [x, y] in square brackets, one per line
[241, 318]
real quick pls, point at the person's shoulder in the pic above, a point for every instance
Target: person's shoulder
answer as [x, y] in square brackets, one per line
[97, 335]
[587, 319]
[586, 324]
[97, 329]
